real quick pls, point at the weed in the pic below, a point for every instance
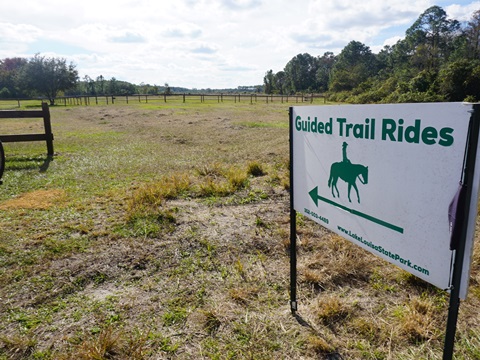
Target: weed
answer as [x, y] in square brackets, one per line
[243, 294]
[368, 329]
[313, 277]
[176, 311]
[112, 344]
[163, 343]
[17, 347]
[153, 194]
[254, 168]
[418, 321]
[259, 222]
[319, 345]
[240, 268]
[331, 309]
[26, 320]
[175, 315]
[214, 169]
[237, 179]
[471, 344]
[380, 282]
[212, 322]
[211, 187]
[151, 224]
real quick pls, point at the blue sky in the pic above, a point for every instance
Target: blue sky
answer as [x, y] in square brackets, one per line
[202, 43]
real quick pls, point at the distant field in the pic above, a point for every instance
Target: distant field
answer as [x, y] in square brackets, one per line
[160, 230]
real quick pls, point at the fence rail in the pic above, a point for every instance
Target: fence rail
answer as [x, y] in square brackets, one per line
[46, 136]
[141, 98]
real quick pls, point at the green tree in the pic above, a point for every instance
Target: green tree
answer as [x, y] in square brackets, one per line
[324, 70]
[48, 76]
[268, 82]
[100, 85]
[460, 80]
[9, 70]
[472, 33]
[112, 86]
[279, 82]
[167, 91]
[430, 38]
[354, 65]
[300, 73]
[89, 85]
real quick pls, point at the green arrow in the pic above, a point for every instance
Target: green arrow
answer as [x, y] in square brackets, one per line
[315, 197]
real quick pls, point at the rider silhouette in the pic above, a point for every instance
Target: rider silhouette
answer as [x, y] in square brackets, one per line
[344, 152]
[348, 172]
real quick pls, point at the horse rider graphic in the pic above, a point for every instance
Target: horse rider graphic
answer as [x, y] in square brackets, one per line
[344, 152]
[349, 173]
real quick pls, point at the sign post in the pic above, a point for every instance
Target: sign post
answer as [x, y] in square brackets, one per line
[468, 183]
[293, 230]
[385, 177]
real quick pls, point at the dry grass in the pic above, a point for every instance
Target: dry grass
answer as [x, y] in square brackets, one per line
[171, 242]
[36, 200]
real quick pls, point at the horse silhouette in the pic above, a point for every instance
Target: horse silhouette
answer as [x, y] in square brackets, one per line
[349, 173]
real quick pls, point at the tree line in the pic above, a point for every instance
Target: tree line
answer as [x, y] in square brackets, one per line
[53, 77]
[438, 60]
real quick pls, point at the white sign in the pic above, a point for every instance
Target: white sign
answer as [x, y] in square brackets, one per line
[383, 177]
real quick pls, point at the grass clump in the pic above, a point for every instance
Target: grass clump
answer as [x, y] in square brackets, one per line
[254, 168]
[16, 347]
[216, 180]
[419, 320]
[331, 309]
[108, 343]
[319, 345]
[154, 194]
[212, 322]
[151, 224]
[208, 181]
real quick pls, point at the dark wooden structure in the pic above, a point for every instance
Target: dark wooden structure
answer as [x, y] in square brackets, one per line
[16, 114]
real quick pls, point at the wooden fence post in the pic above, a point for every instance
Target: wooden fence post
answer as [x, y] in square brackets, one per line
[48, 128]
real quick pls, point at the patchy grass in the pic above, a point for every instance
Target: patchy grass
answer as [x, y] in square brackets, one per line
[161, 230]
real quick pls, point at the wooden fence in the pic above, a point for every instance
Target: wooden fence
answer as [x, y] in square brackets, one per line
[47, 136]
[202, 98]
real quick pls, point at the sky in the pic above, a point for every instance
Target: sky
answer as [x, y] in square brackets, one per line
[200, 44]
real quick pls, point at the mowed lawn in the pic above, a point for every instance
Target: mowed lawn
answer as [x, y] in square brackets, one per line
[161, 231]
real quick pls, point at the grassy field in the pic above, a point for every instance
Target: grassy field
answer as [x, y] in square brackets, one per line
[161, 231]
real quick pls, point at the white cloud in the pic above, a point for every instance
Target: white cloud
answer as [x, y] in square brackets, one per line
[462, 13]
[15, 38]
[334, 22]
[241, 4]
[183, 30]
[21, 33]
[202, 43]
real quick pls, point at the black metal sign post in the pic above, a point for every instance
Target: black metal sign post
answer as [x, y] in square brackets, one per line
[2, 162]
[468, 182]
[293, 228]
